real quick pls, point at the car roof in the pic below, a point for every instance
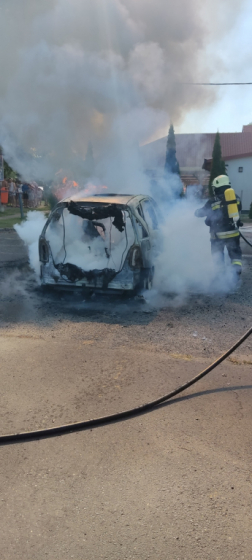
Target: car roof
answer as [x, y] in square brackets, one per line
[111, 198]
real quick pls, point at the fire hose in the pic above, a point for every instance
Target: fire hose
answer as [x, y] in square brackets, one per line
[96, 422]
[246, 241]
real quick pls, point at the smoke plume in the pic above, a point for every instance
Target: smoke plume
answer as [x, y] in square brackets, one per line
[185, 264]
[109, 72]
[29, 231]
[105, 71]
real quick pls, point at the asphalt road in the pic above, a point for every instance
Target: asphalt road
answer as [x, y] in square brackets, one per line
[172, 484]
[13, 251]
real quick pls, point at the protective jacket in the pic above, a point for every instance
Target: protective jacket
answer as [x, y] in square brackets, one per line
[216, 213]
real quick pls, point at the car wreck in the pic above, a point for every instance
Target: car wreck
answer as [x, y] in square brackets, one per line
[100, 243]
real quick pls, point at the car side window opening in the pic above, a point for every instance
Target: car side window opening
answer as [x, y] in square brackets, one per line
[142, 232]
[149, 214]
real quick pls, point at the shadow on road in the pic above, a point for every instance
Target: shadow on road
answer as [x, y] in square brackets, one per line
[23, 300]
[71, 428]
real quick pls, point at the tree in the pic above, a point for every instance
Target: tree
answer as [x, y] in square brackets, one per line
[218, 164]
[171, 162]
[9, 173]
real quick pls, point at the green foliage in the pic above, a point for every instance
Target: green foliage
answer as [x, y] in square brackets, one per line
[171, 162]
[218, 164]
[171, 142]
[250, 211]
[9, 173]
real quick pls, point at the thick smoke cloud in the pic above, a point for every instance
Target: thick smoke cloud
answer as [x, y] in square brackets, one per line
[105, 71]
[109, 72]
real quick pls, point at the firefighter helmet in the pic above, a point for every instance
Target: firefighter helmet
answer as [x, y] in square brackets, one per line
[221, 181]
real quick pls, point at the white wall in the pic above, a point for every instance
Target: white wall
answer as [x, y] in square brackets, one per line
[241, 182]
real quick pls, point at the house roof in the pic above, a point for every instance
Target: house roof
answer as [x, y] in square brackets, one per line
[247, 128]
[192, 149]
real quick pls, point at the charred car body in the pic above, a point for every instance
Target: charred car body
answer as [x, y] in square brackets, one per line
[101, 243]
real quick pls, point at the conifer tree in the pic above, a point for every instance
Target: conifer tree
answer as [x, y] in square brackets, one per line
[218, 164]
[171, 162]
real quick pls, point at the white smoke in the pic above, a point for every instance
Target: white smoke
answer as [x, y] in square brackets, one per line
[185, 264]
[29, 231]
[105, 71]
[109, 72]
[69, 243]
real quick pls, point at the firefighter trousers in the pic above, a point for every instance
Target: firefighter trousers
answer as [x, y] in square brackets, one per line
[233, 248]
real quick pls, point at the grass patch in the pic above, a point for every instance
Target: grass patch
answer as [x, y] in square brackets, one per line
[10, 210]
[12, 216]
[9, 222]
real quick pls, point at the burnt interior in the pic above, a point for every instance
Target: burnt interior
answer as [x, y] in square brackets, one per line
[74, 273]
[91, 216]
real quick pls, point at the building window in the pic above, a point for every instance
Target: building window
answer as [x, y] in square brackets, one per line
[240, 169]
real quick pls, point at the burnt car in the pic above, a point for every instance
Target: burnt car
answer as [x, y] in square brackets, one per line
[100, 243]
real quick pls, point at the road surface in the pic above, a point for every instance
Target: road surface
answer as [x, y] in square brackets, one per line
[172, 484]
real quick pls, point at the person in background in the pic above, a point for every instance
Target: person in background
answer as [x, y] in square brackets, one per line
[12, 192]
[4, 187]
[36, 195]
[31, 197]
[25, 191]
[5, 184]
[18, 190]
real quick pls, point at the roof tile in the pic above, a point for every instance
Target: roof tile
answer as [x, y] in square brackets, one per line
[192, 149]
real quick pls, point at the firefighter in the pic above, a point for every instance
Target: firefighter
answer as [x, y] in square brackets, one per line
[222, 215]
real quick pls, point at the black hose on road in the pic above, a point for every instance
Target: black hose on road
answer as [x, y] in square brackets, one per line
[78, 426]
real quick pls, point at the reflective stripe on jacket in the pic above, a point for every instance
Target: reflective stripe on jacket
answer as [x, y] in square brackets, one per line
[227, 234]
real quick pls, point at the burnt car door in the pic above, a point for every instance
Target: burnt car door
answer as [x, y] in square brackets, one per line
[144, 238]
[151, 219]
[150, 216]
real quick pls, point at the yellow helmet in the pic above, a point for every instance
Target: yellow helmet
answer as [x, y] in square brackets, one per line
[221, 181]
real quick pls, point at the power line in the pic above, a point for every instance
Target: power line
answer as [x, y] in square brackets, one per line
[216, 84]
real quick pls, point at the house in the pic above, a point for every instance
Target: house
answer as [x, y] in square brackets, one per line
[194, 154]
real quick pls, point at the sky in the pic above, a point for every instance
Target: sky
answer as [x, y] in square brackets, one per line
[232, 107]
